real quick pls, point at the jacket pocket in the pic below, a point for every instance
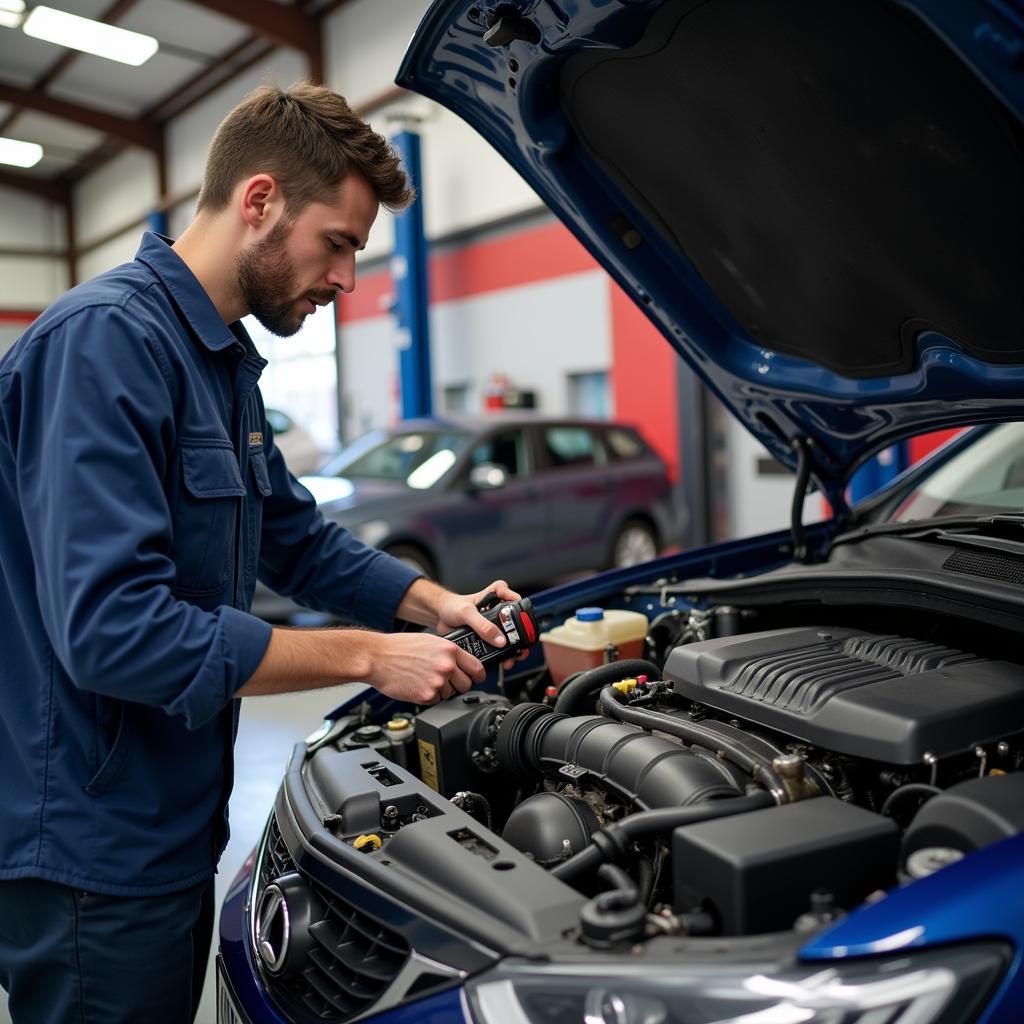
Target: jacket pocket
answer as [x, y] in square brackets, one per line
[204, 521]
[258, 461]
[112, 765]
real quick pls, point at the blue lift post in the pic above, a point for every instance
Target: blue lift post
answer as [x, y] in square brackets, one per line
[409, 274]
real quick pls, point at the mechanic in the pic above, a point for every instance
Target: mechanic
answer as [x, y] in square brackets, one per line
[141, 494]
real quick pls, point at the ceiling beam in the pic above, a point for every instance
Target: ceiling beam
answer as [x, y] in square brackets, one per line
[55, 191]
[135, 132]
[284, 25]
[226, 66]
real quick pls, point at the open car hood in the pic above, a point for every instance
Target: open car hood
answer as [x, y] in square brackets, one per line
[820, 205]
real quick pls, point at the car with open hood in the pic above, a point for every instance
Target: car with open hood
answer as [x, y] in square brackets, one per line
[794, 791]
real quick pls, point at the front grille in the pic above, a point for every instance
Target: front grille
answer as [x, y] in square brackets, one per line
[354, 958]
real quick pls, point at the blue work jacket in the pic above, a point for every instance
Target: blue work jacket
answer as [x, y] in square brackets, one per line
[141, 494]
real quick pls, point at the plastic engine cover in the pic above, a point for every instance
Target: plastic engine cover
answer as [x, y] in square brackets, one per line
[886, 698]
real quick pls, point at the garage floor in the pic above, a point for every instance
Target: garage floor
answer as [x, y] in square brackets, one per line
[270, 727]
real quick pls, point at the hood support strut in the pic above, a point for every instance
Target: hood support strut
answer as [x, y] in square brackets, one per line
[803, 477]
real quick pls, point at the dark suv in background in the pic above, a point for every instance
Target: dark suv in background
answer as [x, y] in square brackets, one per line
[515, 496]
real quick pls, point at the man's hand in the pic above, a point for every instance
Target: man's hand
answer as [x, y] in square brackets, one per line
[423, 669]
[461, 610]
[440, 609]
[456, 610]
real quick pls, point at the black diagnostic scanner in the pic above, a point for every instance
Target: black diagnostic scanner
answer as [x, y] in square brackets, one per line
[514, 618]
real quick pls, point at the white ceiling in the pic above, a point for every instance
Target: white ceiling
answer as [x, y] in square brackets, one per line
[192, 39]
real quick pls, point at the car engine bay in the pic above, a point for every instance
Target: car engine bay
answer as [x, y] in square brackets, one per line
[744, 777]
[766, 754]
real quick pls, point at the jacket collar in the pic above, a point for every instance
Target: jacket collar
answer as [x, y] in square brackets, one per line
[197, 307]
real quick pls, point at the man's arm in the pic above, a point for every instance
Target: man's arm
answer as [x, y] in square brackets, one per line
[415, 667]
[318, 562]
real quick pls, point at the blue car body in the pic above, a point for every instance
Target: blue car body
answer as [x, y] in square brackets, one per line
[786, 112]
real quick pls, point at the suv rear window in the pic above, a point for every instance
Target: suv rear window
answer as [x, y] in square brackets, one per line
[571, 446]
[624, 444]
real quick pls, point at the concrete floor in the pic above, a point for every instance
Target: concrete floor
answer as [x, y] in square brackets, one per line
[270, 727]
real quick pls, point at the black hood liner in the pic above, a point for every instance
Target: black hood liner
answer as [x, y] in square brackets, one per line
[833, 172]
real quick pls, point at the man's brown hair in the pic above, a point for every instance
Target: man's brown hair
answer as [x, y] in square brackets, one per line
[308, 138]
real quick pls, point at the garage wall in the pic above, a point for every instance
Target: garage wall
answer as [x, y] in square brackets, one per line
[466, 183]
[12, 326]
[29, 282]
[535, 334]
[759, 492]
[115, 194]
[364, 42]
[188, 137]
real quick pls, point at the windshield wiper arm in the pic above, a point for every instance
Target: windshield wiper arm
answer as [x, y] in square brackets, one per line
[940, 528]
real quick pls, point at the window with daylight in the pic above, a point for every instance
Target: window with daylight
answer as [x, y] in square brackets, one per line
[589, 394]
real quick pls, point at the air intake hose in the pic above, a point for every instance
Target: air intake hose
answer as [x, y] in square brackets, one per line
[645, 771]
[743, 756]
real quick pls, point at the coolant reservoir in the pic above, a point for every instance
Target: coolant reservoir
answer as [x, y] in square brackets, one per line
[593, 637]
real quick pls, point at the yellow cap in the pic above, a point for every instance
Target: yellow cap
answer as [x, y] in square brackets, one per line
[397, 723]
[625, 685]
[368, 843]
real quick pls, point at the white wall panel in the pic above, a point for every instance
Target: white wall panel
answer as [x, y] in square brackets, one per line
[9, 334]
[188, 136]
[758, 502]
[30, 283]
[364, 42]
[535, 334]
[179, 217]
[27, 221]
[465, 181]
[114, 195]
[111, 254]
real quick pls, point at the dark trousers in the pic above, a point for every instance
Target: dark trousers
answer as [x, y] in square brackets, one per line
[73, 957]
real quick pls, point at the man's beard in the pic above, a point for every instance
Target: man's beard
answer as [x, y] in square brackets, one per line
[265, 275]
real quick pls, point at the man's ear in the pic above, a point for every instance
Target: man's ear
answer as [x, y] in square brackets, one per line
[259, 200]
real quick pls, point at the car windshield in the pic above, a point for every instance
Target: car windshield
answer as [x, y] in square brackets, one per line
[985, 478]
[418, 458]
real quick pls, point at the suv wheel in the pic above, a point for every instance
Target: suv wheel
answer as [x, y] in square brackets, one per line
[634, 543]
[415, 558]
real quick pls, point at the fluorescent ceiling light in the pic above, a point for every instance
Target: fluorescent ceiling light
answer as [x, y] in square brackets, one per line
[11, 12]
[20, 154]
[89, 36]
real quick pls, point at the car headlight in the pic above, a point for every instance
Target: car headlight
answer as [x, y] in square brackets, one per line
[942, 986]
